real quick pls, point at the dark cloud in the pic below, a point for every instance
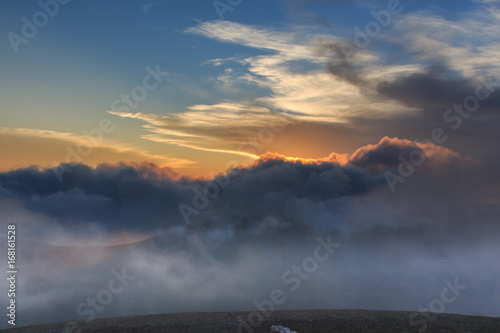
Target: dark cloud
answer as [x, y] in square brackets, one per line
[342, 67]
[120, 195]
[385, 155]
[117, 196]
[437, 88]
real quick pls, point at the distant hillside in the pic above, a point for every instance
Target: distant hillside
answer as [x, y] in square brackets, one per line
[304, 321]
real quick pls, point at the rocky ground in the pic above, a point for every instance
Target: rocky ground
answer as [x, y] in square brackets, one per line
[305, 321]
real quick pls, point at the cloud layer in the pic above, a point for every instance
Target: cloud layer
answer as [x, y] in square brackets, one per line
[396, 249]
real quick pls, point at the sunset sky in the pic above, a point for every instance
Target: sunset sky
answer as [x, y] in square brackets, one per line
[227, 79]
[221, 138]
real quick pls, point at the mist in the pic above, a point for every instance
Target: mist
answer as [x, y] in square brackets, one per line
[253, 230]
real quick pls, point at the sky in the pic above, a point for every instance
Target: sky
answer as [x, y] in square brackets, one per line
[205, 145]
[225, 79]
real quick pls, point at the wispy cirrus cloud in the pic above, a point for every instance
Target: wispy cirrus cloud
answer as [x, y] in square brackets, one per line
[221, 127]
[114, 150]
[294, 71]
[467, 45]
